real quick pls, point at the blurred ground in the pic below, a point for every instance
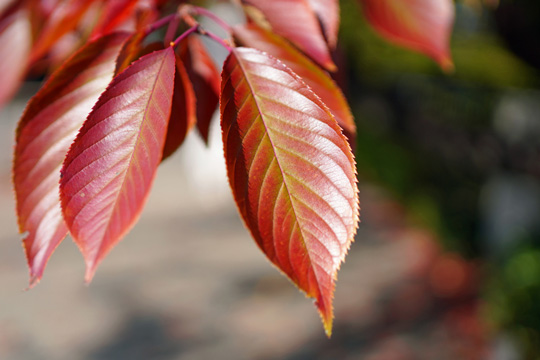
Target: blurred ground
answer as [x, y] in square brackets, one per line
[189, 283]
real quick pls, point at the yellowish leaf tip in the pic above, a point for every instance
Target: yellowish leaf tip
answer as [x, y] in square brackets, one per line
[447, 65]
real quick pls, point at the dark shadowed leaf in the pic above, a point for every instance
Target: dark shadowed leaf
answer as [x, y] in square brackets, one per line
[421, 25]
[130, 51]
[110, 167]
[45, 132]
[15, 42]
[320, 82]
[291, 171]
[205, 79]
[183, 116]
[296, 21]
[5, 5]
[328, 13]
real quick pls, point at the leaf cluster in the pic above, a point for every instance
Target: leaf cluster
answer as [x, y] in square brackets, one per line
[90, 141]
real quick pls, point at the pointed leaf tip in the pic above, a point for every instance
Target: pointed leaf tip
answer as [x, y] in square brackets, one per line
[421, 25]
[45, 131]
[291, 171]
[109, 169]
[296, 21]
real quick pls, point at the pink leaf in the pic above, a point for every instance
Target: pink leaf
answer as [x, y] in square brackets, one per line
[15, 42]
[46, 130]
[421, 25]
[321, 83]
[109, 169]
[296, 21]
[328, 13]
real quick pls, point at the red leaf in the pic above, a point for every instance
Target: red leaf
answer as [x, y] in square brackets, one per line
[110, 167]
[319, 81]
[205, 79]
[64, 18]
[296, 21]
[328, 13]
[291, 171]
[15, 40]
[421, 25]
[46, 130]
[5, 5]
[129, 52]
[113, 14]
[183, 116]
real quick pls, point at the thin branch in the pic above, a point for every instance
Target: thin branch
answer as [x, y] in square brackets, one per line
[196, 10]
[160, 23]
[185, 35]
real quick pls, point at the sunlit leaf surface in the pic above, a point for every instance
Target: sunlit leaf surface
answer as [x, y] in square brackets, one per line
[320, 82]
[296, 21]
[328, 14]
[291, 171]
[45, 132]
[109, 169]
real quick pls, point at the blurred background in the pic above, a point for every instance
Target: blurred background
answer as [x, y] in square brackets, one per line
[446, 264]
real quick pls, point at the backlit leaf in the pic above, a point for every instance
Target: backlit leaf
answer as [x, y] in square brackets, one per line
[183, 115]
[291, 171]
[205, 78]
[320, 82]
[45, 132]
[328, 13]
[15, 41]
[296, 21]
[109, 169]
[421, 25]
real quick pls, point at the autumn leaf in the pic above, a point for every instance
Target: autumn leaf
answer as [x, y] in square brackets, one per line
[206, 80]
[328, 13]
[113, 14]
[421, 25]
[296, 21]
[15, 42]
[320, 82]
[109, 169]
[45, 132]
[183, 113]
[64, 18]
[291, 171]
[129, 51]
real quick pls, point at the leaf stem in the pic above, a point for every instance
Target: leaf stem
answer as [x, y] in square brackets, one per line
[171, 30]
[185, 35]
[160, 23]
[216, 39]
